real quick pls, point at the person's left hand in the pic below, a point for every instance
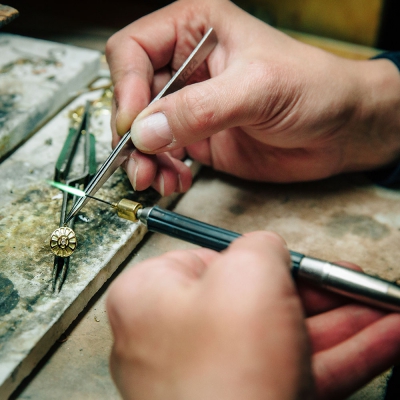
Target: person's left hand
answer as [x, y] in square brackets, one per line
[200, 324]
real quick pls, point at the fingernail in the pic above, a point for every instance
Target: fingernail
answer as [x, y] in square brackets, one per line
[160, 185]
[180, 186]
[133, 168]
[152, 132]
[122, 122]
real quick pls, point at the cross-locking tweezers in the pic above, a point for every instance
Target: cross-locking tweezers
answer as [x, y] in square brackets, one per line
[65, 173]
[125, 145]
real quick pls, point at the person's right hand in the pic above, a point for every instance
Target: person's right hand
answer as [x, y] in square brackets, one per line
[198, 324]
[265, 106]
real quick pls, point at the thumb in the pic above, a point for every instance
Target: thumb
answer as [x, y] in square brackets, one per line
[196, 112]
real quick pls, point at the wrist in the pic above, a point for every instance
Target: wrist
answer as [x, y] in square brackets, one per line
[375, 134]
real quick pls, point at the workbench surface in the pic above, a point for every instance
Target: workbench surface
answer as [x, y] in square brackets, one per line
[340, 218]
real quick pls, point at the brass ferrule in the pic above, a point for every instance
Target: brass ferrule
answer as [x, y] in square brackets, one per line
[128, 209]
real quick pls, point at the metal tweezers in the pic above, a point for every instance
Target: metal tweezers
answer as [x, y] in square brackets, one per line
[125, 146]
[64, 173]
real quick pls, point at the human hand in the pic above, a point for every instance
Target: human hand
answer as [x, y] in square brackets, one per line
[266, 107]
[207, 325]
[351, 343]
[200, 324]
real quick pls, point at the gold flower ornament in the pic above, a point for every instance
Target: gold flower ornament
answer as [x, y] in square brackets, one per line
[63, 242]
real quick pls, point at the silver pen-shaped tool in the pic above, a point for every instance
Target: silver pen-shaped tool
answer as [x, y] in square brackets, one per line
[357, 285]
[125, 146]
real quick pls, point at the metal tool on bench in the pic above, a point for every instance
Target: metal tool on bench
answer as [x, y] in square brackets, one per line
[334, 277]
[63, 240]
[125, 146]
[354, 284]
[322, 273]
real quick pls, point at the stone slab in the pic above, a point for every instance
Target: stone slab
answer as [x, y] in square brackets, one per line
[32, 318]
[37, 78]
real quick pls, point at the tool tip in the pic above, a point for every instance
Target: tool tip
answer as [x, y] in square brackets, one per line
[68, 218]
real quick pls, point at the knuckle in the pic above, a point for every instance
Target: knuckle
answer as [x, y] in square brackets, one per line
[110, 45]
[197, 110]
[114, 300]
[269, 238]
[125, 290]
[126, 321]
[121, 82]
[271, 82]
[245, 254]
[117, 92]
[255, 244]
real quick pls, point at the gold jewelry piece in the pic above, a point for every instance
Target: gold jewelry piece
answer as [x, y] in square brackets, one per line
[63, 242]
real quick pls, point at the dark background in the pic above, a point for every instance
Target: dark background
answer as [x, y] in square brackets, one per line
[89, 23]
[389, 33]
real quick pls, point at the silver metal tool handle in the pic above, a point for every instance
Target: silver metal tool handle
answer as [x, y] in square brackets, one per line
[356, 285]
[333, 277]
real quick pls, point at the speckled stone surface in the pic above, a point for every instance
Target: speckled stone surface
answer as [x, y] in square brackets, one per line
[37, 78]
[340, 218]
[32, 318]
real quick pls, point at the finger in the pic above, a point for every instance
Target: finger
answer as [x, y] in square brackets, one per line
[171, 270]
[172, 175]
[143, 282]
[145, 46]
[248, 290]
[316, 300]
[115, 138]
[164, 172]
[132, 79]
[333, 327]
[255, 260]
[160, 79]
[141, 169]
[357, 360]
[180, 154]
[198, 111]
[132, 63]
[189, 263]
[201, 151]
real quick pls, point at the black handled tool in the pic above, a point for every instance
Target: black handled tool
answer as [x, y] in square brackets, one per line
[354, 284]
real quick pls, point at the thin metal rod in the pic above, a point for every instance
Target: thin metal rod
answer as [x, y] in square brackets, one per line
[103, 201]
